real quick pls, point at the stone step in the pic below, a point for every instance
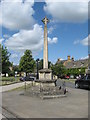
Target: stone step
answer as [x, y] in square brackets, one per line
[52, 96]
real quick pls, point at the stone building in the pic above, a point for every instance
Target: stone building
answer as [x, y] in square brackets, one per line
[71, 63]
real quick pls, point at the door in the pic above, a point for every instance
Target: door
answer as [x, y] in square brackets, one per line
[82, 82]
[86, 81]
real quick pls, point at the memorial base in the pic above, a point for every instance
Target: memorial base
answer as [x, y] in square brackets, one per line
[45, 74]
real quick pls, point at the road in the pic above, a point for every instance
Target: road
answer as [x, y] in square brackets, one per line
[32, 107]
[68, 84]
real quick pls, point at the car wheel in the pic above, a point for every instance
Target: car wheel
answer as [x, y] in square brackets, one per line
[77, 85]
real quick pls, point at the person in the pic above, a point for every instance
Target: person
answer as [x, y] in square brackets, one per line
[79, 76]
[55, 82]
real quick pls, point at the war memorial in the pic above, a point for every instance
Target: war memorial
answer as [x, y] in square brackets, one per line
[46, 87]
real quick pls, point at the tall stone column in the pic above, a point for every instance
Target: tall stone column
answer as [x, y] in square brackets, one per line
[45, 73]
[45, 56]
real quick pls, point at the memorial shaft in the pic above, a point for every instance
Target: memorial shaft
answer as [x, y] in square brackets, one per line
[45, 56]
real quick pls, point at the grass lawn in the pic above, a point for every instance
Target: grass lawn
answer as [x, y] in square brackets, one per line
[9, 80]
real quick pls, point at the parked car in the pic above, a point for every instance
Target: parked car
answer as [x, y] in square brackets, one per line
[83, 82]
[62, 77]
[71, 76]
[27, 78]
[67, 77]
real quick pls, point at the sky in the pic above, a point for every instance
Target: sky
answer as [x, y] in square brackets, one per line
[22, 28]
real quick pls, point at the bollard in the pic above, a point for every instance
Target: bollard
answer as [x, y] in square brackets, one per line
[25, 85]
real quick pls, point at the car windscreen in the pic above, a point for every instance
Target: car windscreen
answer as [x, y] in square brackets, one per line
[88, 77]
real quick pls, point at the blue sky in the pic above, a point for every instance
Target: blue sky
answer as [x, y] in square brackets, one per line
[22, 29]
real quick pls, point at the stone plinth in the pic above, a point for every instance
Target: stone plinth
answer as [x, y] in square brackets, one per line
[45, 74]
[46, 83]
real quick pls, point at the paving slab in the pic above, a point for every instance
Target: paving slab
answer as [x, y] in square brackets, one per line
[75, 105]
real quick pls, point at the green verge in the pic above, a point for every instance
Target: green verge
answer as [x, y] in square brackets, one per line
[9, 80]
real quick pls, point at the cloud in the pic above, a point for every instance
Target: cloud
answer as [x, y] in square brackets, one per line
[67, 1]
[50, 30]
[6, 36]
[86, 57]
[85, 41]
[76, 42]
[53, 40]
[1, 40]
[75, 12]
[26, 39]
[16, 15]
[14, 55]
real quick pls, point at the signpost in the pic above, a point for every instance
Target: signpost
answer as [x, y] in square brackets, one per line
[25, 80]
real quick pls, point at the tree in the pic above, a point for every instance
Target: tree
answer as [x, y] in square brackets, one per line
[27, 63]
[40, 64]
[75, 71]
[58, 69]
[5, 61]
[16, 68]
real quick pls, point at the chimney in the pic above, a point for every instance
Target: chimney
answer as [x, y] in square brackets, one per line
[59, 59]
[68, 57]
[72, 58]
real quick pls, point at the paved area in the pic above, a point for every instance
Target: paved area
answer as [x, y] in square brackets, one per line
[12, 86]
[16, 85]
[68, 84]
[75, 105]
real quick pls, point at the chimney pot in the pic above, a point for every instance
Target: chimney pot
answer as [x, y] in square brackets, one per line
[72, 58]
[68, 57]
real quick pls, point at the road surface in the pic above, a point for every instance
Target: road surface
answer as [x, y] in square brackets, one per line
[68, 84]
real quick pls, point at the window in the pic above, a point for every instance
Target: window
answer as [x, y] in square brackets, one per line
[88, 77]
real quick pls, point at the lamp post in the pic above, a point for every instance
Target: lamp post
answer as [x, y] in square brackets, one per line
[37, 68]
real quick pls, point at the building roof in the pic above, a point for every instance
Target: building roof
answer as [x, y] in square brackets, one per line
[75, 64]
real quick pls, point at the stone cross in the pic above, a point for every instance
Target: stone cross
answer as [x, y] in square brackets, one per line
[45, 56]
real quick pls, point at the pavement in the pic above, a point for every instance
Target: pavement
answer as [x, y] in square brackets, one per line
[16, 85]
[12, 86]
[68, 83]
[75, 105]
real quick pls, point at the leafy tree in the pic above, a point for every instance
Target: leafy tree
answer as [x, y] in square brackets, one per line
[58, 69]
[40, 64]
[16, 68]
[75, 71]
[27, 63]
[5, 60]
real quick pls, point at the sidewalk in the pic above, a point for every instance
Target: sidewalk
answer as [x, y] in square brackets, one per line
[75, 105]
[12, 86]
